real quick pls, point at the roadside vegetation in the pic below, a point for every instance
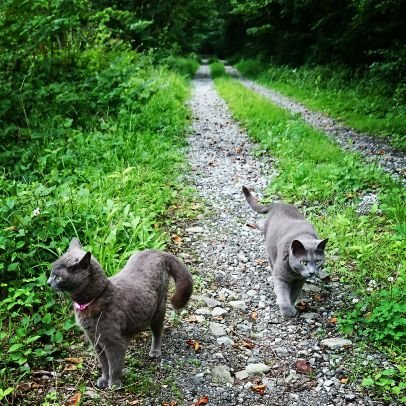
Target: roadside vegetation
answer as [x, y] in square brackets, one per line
[91, 146]
[366, 101]
[328, 183]
[109, 182]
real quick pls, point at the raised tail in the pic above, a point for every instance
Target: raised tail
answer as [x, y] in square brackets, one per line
[183, 281]
[254, 204]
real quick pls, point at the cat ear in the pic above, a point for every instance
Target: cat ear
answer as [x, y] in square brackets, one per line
[75, 243]
[85, 261]
[322, 244]
[297, 246]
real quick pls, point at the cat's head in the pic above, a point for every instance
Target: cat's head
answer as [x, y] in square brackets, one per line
[307, 257]
[71, 271]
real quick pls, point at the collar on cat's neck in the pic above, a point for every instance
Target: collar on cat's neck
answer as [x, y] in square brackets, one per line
[84, 306]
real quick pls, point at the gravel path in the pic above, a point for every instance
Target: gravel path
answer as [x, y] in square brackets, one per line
[248, 355]
[372, 148]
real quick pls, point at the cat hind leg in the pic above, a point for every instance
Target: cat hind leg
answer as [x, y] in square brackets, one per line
[157, 325]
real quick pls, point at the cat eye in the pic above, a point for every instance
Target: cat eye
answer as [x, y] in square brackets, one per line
[303, 262]
[318, 262]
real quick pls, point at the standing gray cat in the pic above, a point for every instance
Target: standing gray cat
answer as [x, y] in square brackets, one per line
[112, 310]
[294, 251]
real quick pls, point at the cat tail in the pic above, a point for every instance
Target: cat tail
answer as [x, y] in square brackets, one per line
[183, 281]
[254, 204]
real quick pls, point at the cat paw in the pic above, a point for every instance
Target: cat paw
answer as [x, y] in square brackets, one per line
[115, 384]
[155, 354]
[102, 383]
[288, 312]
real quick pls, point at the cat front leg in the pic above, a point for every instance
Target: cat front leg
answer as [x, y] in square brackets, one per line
[295, 290]
[103, 381]
[115, 352]
[282, 292]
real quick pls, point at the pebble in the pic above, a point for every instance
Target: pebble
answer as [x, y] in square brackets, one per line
[217, 329]
[307, 287]
[242, 374]
[203, 310]
[227, 341]
[221, 374]
[192, 230]
[218, 311]
[238, 304]
[310, 316]
[281, 352]
[336, 343]
[253, 369]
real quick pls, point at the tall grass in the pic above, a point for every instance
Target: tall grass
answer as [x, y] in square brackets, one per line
[367, 103]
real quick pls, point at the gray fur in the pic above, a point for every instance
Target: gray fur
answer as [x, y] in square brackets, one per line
[295, 252]
[124, 304]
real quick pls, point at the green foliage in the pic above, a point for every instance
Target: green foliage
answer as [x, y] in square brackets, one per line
[217, 70]
[109, 181]
[378, 316]
[298, 32]
[183, 66]
[390, 382]
[366, 101]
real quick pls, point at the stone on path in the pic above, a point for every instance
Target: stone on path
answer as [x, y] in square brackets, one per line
[307, 287]
[240, 375]
[238, 304]
[218, 311]
[217, 329]
[253, 369]
[310, 316]
[221, 374]
[336, 343]
[193, 230]
[225, 340]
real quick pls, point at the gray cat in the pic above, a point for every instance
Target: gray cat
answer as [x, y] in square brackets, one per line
[294, 251]
[112, 310]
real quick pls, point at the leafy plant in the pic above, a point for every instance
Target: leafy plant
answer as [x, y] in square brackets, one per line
[390, 382]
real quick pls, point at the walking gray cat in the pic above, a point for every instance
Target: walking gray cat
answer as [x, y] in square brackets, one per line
[294, 251]
[112, 310]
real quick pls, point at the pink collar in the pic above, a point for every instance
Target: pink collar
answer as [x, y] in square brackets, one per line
[82, 307]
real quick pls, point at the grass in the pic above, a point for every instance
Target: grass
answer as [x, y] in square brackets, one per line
[111, 183]
[367, 104]
[217, 69]
[368, 250]
[181, 65]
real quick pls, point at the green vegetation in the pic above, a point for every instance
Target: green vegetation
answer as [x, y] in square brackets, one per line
[367, 104]
[91, 137]
[110, 184]
[217, 69]
[316, 174]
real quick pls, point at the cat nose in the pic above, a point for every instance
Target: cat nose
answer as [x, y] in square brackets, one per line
[50, 279]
